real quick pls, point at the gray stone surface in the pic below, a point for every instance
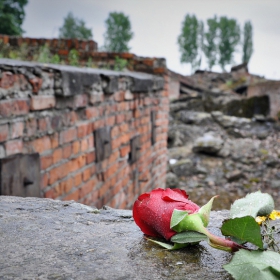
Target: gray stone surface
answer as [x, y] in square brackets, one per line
[47, 239]
[208, 143]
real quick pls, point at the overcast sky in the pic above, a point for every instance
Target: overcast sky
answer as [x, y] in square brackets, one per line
[157, 23]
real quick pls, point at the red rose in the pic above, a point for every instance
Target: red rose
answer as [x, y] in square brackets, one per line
[152, 211]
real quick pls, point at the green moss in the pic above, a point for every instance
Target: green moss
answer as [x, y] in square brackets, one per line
[247, 186]
[263, 152]
[254, 180]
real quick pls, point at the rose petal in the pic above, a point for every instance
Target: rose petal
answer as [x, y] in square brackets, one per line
[174, 195]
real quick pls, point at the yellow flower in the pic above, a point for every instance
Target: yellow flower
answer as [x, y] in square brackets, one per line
[274, 215]
[260, 219]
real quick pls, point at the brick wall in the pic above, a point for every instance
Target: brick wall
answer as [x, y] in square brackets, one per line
[58, 111]
[87, 52]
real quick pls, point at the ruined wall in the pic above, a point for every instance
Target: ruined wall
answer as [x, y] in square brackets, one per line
[272, 90]
[87, 52]
[101, 135]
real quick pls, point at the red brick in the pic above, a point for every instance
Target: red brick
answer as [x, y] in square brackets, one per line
[44, 180]
[44, 124]
[84, 129]
[126, 55]
[16, 129]
[4, 132]
[123, 106]
[90, 139]
[50, 194]
[124, 127]
[77, 163]
[110, 120]
[41, 144]
[113, 157]
[84, 145]
[73, 118]
[76, 147]
[98, 124]
[46, 161]
[146, 120]
[78, 179]
[86, 174]
[161, 122]
[17, 107]
[58, 190]
[59, 172]
[7, 80]
[115, 143]
[75, 195]
[90, 157]
[117, 188]
[119, 96]
[115, 131]
[128, 116]
[104, 189]
[57, 155]
[31, 127]
[136, 113]
[67, 185]
[54, 140]
[125, 138]
[63, 52]
[68, 135]
[36, 84]
[93, 169]
[111, 171]
[124, 151]
[88, 187]
[92, 113]
[67, 151]
[13, 147]
[42, 102]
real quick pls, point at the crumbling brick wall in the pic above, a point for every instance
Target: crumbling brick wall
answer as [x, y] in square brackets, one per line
[87, 52]
[63, 113]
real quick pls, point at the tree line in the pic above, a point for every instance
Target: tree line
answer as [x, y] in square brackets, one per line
[217, 41]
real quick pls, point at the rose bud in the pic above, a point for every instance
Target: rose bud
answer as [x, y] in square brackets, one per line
[165, 213]
[152, 211]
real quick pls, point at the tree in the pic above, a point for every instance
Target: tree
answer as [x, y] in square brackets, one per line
[210, 46]
[247, 41]
[74, 28]
[118, 33]
[11, 16]
[229, 38]
[190, 41]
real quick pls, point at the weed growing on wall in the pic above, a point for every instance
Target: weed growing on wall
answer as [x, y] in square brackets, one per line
[73, 57]
[44, 55]
[120, 64]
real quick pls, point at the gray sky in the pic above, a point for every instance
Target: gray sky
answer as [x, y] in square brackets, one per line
[157, 23]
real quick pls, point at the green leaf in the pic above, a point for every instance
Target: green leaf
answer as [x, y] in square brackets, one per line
[181, 223]
[189, 237]
[255, 265]
[245, 229]
[169, 246]
[205, 210]
[254, 204]
[177, 217]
